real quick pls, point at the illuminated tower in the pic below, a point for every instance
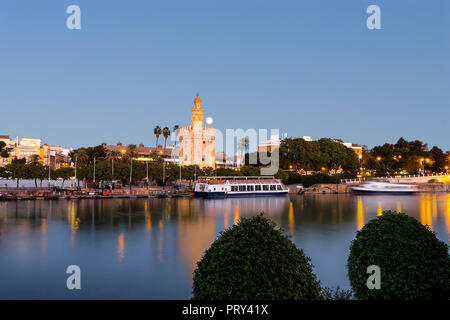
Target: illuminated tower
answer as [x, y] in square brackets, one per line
[197, 142]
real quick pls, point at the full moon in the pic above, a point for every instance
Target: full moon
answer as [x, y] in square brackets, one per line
[209, 120]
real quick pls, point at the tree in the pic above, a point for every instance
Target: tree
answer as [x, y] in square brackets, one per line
[65, 173]
[4, 151]
[254, 260]
[132, 150]
[35, 158]
[157, 131]
[439, 159]
[176, 131]
[18, 171]
[166, 134]
[413, 263]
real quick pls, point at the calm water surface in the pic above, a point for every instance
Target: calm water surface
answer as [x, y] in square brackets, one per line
[148, 248]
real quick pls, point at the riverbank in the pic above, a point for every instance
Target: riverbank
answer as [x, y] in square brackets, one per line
[8, 194]
[346, 188]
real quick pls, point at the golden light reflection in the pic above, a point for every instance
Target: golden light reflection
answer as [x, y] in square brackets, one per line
[360, 213]
[236, 215]
[380, 209]
[121, 247]
[399, 206]
[148, 220]
[425, 211]
[160, 240]
[291, 219]
[148, 217]
[44, 237]
[447, 214]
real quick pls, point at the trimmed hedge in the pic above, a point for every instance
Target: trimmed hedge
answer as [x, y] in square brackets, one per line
[254, 260]
[413, 263]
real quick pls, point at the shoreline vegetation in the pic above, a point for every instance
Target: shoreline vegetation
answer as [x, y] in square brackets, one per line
[318, 165]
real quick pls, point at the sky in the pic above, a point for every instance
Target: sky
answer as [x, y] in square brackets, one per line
[304, 67]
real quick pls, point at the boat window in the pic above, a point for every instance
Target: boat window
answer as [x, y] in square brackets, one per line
[258, 188]
[265, 187]
[279, 187]
[272, 187]
[241, 188]
[249, 188]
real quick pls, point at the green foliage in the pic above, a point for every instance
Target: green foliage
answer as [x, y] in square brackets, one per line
[404, 155]
[4, 151]
[254, 260]
[414, 264]
[315, 155]
[336, 293]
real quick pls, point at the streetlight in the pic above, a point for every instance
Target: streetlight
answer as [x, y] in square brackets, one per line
[95, 159]
[76, 179]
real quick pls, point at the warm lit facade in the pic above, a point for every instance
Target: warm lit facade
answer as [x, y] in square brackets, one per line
[197, 142]
[143, 153]
[55, 156]
[356, 148]
[270, 145]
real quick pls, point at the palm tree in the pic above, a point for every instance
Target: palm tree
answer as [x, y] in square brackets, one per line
[35, 158]
[166, 134]
[157, 131]
[243, 147]
[176, 130]
[132, 150]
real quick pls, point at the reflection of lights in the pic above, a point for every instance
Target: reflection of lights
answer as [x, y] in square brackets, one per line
[425, 211]
[360, 213]
[236, 215]
[121, 247]
[379, 210]
[447, 214]
[399, 206]
[291, 219]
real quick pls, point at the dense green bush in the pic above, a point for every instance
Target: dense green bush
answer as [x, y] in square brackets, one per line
[413, 263]
[312, 179]
[254, 260]
[336, 293]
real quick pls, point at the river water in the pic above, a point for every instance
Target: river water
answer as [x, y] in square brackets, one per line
[148, 248]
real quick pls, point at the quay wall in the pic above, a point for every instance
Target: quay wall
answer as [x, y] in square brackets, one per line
[345, 188]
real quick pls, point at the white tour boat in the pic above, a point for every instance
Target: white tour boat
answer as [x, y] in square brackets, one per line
[386, 188]
[239, 186]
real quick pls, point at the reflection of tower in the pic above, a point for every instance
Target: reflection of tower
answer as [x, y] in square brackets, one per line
[197, 142]
[195, 236]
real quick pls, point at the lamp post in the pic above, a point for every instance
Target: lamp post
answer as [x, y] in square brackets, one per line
[146, 171]
[131, 171]
[76, 178]
[112, 169]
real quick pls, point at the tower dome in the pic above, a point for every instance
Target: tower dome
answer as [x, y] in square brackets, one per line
[197, 102]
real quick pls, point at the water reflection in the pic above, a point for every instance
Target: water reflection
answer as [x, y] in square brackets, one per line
[151, 246]
[121, 247]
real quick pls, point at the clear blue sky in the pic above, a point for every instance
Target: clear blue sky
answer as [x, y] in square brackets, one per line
[305, 67]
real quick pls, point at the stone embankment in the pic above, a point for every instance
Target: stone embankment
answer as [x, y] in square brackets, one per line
[50, 194]
[345, 188]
